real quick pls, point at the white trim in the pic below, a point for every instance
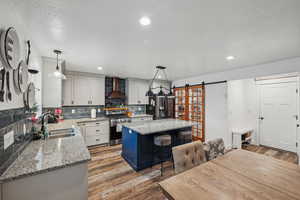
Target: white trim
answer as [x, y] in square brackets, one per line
[279, 80]
[298, 122]
[258, 114]
[295, 74]
[284, 79]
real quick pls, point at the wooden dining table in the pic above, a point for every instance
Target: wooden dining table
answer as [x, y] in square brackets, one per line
[239, 174]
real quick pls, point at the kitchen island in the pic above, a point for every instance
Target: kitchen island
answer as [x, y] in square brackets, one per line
[138, 139]
[51, 169]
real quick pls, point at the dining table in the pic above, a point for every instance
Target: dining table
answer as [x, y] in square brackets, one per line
[239, 174]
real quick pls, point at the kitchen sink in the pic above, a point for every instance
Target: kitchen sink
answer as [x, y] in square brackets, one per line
[61, 133]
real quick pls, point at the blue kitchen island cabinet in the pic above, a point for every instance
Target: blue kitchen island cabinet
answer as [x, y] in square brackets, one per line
[138, 139]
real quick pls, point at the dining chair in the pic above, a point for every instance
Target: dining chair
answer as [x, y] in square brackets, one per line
[187, 156]
[214, 148]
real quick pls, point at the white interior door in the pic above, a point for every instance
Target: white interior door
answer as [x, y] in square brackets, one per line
[278, 111]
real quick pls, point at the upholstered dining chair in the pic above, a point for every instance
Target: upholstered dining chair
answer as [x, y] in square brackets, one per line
[188, 156]
[214, 148]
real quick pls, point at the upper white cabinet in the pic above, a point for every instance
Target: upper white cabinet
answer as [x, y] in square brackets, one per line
[97, 91]
[67, 91]
[51, 85]
[83, 90]
[136, 91]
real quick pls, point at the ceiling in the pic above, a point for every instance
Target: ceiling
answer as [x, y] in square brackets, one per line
[188, 37]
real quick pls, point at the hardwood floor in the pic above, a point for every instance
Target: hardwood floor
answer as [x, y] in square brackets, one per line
[275, 153]
[110, 177]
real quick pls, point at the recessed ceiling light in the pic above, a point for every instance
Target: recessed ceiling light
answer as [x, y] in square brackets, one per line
[230, 58]
[145, 21]
[100, 68]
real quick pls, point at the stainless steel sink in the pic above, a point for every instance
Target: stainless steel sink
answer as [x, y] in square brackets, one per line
[61, 133]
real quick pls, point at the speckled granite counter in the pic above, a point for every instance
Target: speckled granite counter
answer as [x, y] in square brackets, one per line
[141, 115]
[155, 126]
[45, 155]
[69, 123]
[84, 120]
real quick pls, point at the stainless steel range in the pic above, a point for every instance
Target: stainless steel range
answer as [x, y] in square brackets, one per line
[116, 116]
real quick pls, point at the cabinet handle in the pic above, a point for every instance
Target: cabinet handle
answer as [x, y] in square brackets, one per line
[97, 130]
[97, 123]
[72, 102]
[97, 140]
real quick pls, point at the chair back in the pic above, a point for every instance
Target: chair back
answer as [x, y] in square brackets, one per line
[188, 156]
[214, 148]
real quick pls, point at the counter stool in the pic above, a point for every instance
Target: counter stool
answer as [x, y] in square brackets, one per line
[184, 137]
[163, 145]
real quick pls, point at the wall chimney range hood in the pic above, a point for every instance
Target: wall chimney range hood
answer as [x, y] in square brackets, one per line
[116, 90]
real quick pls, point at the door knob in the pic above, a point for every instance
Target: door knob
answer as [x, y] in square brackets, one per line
[261, 118]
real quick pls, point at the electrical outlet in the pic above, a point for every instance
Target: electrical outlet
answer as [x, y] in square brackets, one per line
[73, 111]
[8, 139]
[24, 129]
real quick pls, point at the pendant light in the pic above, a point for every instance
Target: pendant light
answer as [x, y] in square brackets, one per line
[161, 92]
[57, 73]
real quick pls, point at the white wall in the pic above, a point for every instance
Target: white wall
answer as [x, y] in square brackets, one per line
[272, 68]
[241, 95]
[243, 105]
[52, 86]
[216, 113]
[9, 17]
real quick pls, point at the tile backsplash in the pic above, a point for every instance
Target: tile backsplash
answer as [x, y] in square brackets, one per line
[76, 112]
[137, 109]
[73, 112]
[18, 122]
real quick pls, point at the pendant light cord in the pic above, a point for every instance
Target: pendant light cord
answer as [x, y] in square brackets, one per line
[57, 67]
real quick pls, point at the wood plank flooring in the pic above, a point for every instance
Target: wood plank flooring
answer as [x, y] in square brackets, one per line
[110, 177]
[275, 153]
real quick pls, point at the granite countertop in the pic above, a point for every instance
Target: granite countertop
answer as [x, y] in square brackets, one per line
[82, 120]
[154, 126]
[46, 155]
[71, 123]
[141, 115]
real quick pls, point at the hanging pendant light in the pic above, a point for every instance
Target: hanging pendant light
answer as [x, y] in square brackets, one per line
[161, 92]
[57, 73]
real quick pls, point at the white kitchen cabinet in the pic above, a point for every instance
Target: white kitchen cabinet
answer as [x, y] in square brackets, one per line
[51, 85]
[68, 183]
[67, 91]
[83, 90]
[97, 87]
[136, 91]
[95, 133]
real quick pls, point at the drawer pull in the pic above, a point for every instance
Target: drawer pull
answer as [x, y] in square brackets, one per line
[98, 123]
[97, 130]
[97, 140]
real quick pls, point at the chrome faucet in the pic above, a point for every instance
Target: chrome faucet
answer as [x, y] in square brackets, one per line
[43, 127]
